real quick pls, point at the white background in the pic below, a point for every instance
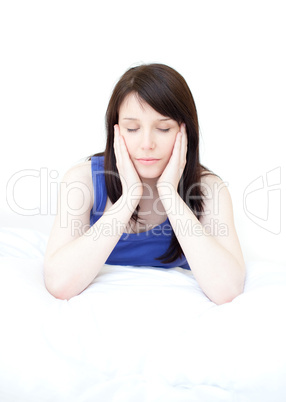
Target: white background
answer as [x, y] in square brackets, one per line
[61, 59]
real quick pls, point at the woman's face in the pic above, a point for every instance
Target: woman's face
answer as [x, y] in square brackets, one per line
[148, 135]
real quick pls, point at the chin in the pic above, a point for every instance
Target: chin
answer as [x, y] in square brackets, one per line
[149, 173]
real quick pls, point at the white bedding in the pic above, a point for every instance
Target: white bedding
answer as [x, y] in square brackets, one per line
[137, 334]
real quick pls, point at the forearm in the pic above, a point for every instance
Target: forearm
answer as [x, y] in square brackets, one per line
[74, 266]
[216, 270]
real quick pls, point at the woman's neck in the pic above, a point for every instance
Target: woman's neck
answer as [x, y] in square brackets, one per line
[149, 188]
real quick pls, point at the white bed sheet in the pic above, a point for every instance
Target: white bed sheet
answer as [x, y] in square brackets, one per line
[140, 334]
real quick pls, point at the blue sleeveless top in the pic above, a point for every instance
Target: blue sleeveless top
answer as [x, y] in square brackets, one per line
[132, 248]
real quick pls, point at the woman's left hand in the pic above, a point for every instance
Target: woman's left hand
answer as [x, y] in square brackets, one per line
[173, 171]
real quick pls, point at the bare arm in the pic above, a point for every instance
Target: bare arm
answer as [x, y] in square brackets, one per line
[210, 245]
[76, 252]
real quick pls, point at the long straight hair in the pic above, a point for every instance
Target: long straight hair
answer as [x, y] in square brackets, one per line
[167, 92]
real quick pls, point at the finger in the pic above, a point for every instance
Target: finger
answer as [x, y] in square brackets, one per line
[115, 140]
[175, 156]
[123, 147]
[178, 140]
[184, 143]
[116, 144]
[176, 147]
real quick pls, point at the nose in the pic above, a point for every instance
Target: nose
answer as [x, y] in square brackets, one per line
[148, 141]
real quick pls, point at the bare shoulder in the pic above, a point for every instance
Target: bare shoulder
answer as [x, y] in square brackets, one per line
[217, 199]
[217, 218]
[79, 179]
[74, 204]
[210, 178]
[79, 172]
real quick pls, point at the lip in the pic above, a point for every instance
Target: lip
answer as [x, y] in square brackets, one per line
[147, 161]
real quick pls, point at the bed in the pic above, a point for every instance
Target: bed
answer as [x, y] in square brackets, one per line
[137, 334]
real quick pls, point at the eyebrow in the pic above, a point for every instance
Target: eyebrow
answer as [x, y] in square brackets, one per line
[133, 118]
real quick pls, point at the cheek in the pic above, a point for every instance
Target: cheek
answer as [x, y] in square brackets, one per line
[169, 146]
[129, 144]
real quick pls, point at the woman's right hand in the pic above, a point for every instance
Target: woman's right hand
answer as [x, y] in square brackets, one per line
[132, 187]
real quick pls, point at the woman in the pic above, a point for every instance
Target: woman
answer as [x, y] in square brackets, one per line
[146, 200]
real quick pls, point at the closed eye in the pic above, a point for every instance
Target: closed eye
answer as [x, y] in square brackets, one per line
[163, 130]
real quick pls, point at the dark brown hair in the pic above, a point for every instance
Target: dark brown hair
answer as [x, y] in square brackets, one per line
[166, 91]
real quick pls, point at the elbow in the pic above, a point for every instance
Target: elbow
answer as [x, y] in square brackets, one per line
[228, 295]
[223, 299]
[53, 284]
[231, 290]
[56, 291]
